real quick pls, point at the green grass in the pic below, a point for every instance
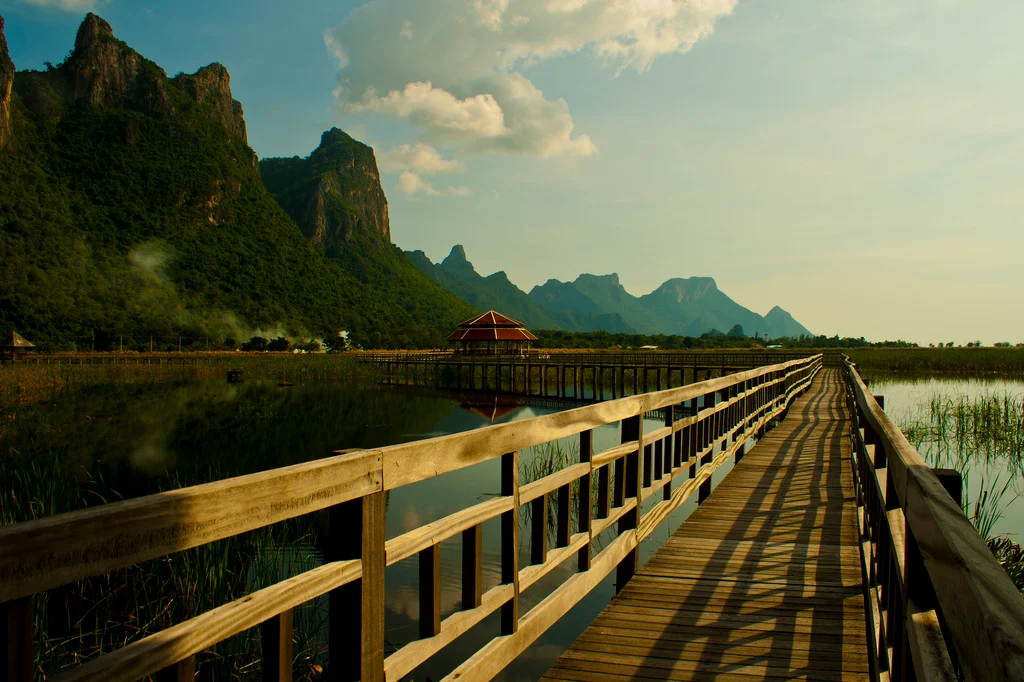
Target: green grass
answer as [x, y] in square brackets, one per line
[939, 361]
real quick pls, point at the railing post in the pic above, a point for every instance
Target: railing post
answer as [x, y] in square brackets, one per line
[430, 590]
[707, 437]
[16, 640]
[584, 503]
[510, 542]
[356, 610]
[277, 649]
[632, 429]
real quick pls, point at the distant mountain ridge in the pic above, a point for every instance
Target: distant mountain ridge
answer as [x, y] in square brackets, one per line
[495, 292]
[687, 307]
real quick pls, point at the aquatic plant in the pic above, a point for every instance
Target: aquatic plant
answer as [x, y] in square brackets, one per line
[940, 361]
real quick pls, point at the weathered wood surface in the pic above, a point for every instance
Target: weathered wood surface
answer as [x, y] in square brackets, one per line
[762, 581]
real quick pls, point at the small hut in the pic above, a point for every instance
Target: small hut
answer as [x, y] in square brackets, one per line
[15, 345]
[492, 334]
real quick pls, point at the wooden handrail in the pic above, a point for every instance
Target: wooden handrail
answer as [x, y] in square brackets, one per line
[40, 555]
[931, 578]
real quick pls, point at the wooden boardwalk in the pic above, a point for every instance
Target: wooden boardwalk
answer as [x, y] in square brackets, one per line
[762, 581]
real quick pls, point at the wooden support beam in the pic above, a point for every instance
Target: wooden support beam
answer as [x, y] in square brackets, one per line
[16, 640]
[356, 613]
[430, 591]
[277, 648]
[510, 542]
[632, 429]
[584, 501]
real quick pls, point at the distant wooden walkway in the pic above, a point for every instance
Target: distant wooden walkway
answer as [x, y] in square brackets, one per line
[762, 581]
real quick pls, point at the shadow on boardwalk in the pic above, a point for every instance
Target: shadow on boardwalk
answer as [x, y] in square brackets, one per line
[761, 581]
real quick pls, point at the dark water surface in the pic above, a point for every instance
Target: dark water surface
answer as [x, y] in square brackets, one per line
[128, 441]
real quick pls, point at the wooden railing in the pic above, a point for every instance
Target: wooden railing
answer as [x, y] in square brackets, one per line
[939, 606]
[351, 487]
[733, 359]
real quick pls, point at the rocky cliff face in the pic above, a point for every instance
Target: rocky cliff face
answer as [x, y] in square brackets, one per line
[211, 86]
[6, 81]
[103, 71]
[334, 194]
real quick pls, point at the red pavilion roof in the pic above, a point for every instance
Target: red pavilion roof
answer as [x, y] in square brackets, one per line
[491, 326]
[491, 319]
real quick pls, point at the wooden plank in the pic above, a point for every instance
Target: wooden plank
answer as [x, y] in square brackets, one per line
[39, 555]
[784, 605]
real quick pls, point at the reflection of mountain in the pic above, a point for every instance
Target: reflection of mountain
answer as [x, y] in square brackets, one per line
[159, 437]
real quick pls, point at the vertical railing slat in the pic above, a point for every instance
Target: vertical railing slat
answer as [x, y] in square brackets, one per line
[510, 542]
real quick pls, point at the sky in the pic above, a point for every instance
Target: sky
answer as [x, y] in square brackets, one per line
[859, 164]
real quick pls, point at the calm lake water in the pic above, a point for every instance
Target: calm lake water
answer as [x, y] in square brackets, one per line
[134, 440]
[128, 441]
[907, 400]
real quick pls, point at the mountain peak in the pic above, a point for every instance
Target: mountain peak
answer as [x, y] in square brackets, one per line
[336, 136]
[610, 279]
[457, 255]
[92, 30]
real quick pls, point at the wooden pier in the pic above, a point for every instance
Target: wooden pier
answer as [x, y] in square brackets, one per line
[763, 579]
[830, 551]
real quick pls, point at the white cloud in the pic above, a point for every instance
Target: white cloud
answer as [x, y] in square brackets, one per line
[490, 13]
[459, 78]
[336, 50]
[419, 157]
[424, 105]
[412, 184]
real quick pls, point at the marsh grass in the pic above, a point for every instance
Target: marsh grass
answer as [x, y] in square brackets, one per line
[982, 437]
[82, 620]
[932, 362]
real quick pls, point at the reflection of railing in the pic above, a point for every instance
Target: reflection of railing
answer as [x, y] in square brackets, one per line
[351, 487]
[932, 582]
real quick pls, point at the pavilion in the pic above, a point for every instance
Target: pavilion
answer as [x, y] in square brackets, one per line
[492, 334]
[15, 344]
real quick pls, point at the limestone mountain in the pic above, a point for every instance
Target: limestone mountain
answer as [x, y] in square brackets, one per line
[687, 307]
[334, 194]
[778, 322]
[696, 305]
[495, 292]
[335, 197]
[131, 205]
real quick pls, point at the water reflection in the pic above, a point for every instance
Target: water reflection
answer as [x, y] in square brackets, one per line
[127, 441]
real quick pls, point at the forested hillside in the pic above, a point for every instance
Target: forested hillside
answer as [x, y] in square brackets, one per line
[132, 208]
